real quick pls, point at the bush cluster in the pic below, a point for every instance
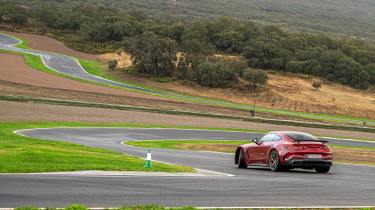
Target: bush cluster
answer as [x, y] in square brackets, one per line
[153, 43]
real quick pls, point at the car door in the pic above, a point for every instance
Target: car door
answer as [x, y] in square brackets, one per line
[258, 153]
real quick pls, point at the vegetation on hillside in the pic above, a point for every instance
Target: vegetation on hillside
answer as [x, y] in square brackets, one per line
[154, 43]
[343, 17]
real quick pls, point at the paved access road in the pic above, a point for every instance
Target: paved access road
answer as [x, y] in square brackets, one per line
[344, 185]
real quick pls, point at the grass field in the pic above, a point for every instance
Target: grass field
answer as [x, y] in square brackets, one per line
[343, 154]
[95, 68]
[19, 154]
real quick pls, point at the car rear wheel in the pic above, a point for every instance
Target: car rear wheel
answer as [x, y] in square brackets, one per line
[274, 161]
[241, 160]
[322, 169]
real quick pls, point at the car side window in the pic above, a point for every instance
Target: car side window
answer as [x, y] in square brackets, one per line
[267, 138]
[277, 138]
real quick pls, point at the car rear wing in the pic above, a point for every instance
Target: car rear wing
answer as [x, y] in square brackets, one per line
[314, 140]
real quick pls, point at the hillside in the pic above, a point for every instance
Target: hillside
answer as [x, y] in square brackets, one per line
[342, 17]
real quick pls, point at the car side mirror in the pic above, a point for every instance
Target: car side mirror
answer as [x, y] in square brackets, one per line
[256, 141]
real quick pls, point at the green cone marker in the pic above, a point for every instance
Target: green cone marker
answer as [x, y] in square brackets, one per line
[148, 163]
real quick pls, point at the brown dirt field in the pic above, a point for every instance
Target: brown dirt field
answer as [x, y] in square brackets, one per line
[46, 43]
[11, 88]
[27, 112]
[347, 155]
[284, 92]
[14, 69]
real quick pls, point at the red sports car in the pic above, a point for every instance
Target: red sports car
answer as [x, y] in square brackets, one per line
[283, 150]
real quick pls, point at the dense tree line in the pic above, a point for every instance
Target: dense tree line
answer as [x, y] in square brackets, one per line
[153, 45]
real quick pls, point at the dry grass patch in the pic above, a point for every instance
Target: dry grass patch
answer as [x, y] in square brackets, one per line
[123, 59]
[288, 92]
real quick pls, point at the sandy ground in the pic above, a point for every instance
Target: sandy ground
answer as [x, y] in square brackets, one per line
[284, 92]
[16, 111]
[45, 43]
[14, 69]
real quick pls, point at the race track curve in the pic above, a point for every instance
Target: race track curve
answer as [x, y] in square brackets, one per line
[345, 185]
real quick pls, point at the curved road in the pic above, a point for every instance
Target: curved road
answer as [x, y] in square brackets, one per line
[345, 185]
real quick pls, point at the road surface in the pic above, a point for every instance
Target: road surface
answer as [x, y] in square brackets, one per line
[345, 185]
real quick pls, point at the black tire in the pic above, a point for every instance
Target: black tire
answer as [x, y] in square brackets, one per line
[274, 161]
[241, 160]
[322, 169]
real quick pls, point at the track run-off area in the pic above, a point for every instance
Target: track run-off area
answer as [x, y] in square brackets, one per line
[345, 185]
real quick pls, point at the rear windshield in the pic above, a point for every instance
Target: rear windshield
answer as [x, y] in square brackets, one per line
[301, 137]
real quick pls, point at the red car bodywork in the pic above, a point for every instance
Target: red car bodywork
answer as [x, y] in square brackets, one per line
[292, 153]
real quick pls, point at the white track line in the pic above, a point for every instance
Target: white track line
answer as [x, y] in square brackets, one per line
[238, 207]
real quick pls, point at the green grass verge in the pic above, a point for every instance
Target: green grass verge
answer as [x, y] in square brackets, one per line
[82, 207]
[154, 207]
[94, 68]
[24, 44]
[20, 154]
[178, 144]
[353, 147]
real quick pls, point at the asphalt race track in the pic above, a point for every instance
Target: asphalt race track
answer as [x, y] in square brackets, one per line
[70, 66]
[61, 63]
[345, 185]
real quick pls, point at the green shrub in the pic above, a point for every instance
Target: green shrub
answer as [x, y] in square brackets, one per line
[112, 64]
[255, 77]
[215, 75]
[76, 207]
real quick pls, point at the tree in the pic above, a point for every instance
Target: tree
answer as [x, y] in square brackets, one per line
[176, 32]
[112, 64]
[370, 69]
[182, 69]
[229, 41]
[214, 75]
[152, 54]
[265, 55]
[317, 85]
[255, 77]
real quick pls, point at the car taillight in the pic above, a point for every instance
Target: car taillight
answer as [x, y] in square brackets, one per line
[292, 147]
[324, 146]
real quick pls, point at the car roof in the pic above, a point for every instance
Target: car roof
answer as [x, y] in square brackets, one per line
[289, 132]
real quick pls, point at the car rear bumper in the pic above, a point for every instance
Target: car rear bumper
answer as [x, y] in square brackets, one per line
[311, 163]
